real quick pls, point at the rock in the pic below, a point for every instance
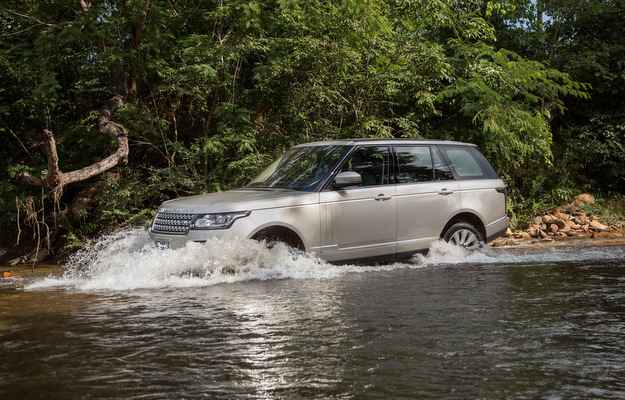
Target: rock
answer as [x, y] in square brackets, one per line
[498, 242]
[524, 235]
[533, 232]
[548, 219]
[569, 208]
[561, 215]
[508, 232]
[16, 260]
[6, 274]
[582, 219]
[32, 257]
[543, 234]
[606, 235]
[538, 220]
[598, 226]
[543, 227]
[554, 228]
[584, 198]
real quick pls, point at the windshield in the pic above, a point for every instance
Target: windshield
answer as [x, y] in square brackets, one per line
[301, 168]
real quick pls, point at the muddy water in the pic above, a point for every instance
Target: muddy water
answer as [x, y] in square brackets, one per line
[234, 320]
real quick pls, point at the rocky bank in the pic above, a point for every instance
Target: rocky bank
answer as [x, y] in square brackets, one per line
[570, 221]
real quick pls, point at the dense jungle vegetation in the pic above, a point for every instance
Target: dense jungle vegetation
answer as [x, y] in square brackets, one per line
[213, 90]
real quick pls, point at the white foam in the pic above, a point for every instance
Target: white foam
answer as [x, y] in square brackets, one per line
[128, 260]
[443, 253]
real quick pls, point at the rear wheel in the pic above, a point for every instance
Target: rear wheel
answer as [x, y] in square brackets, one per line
[464, 235]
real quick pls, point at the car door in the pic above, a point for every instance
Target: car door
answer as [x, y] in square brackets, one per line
[480, 191]
[360, 221]
[426, 196]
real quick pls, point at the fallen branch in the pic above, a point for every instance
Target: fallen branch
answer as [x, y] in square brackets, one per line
[55, 179]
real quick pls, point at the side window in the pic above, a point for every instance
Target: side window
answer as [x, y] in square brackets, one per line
[442, 171]
[414, 164]
[468, 163]
[373, 163]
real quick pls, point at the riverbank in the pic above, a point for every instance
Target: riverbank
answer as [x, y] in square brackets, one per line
[583, 218]
[15, 275]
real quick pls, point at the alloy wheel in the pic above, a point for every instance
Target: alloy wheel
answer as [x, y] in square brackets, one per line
[465, 238]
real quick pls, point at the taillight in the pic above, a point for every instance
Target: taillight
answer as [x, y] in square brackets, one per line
[503, 190]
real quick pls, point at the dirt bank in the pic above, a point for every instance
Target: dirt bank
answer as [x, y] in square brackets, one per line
[16, 275]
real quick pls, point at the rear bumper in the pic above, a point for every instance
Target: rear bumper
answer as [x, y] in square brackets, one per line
[497, 229]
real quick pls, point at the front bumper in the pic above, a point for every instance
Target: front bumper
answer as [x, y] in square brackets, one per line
[198, 236]
[241, 228]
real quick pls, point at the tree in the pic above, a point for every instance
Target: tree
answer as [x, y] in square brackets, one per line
[583, 39]
[55, 179]
[214, 90]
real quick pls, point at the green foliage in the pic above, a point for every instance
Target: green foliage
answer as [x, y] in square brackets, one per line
[595, 152]
[585, 40]
[216, 90]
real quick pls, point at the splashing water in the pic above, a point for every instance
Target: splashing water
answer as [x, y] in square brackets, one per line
[443, 253]
[128, 260]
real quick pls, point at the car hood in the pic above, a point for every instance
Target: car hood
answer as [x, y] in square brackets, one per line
[239, 200]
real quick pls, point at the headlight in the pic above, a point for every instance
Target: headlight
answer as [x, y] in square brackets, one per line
[217, 221]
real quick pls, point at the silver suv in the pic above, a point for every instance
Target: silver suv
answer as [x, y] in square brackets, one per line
[352, 199]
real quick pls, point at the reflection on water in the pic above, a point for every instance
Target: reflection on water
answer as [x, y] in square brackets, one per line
[495, 325]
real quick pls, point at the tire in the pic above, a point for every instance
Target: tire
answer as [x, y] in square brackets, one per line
[271, 240]
[464, 235]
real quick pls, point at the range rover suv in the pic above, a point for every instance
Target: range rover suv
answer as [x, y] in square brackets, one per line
[352, 199]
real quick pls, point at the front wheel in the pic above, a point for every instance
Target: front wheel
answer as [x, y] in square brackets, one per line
[464, 235]
[272, 238]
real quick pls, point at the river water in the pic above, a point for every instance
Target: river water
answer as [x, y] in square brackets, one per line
[233, 320]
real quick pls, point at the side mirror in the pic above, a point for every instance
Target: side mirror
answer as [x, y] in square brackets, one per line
[347, 178]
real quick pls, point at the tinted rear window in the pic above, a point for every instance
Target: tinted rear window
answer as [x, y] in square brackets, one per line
[442, 171]
[468, 162]
[414, 164]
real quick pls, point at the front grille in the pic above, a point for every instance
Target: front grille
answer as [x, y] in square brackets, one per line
[172, 223]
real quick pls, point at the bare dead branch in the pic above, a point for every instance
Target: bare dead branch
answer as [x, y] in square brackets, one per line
[56, 180]
[85, 5]
[54, 177]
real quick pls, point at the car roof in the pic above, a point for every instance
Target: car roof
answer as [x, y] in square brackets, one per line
[355, 141]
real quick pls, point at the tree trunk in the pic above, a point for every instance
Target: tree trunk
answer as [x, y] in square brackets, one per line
[55, 180]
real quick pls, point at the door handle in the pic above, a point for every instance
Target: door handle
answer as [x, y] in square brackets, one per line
[382, 197]
[445, 192]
